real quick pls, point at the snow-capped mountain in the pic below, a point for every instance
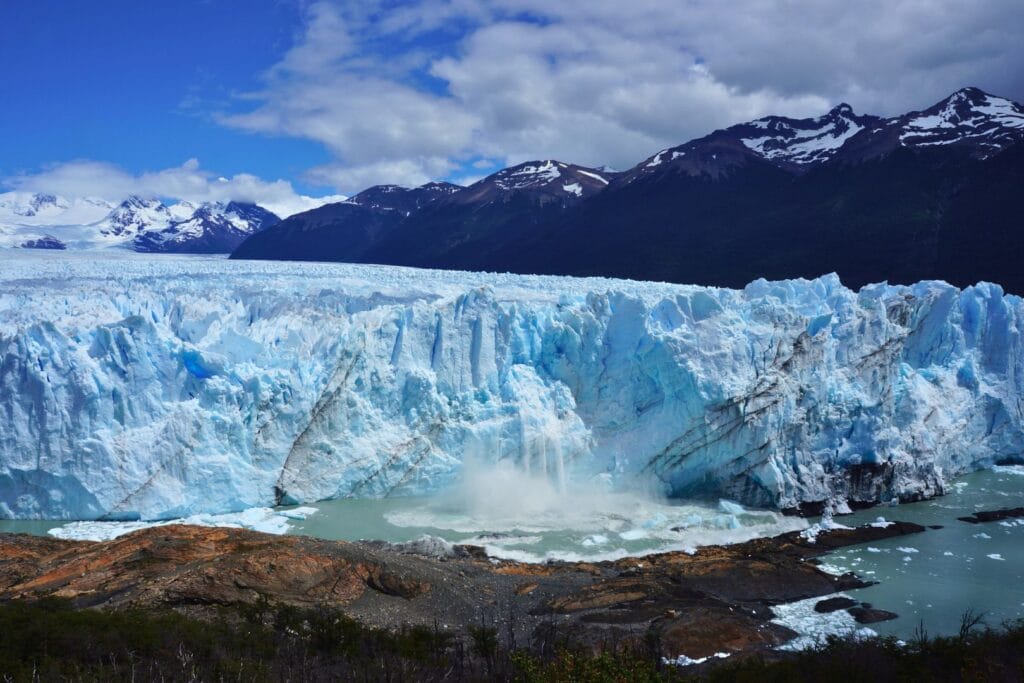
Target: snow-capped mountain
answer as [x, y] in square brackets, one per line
[33, 209]
[901, 199]
[44, 242]
[388, 222]
[969, 121]
[802, 141]
[403, 200]
[349, 228]
[28, 205]
[134, 216]
[36, 220]
[486, 218]
[215, 228]
[41, 221]
[792, 144]
[545, 181]
[967, 116]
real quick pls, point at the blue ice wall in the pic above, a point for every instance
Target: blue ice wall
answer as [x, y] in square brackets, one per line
[162, 387]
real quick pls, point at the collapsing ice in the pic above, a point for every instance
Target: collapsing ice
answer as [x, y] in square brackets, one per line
[160, 388]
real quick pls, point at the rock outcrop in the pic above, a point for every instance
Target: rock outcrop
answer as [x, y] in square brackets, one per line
[715, 600]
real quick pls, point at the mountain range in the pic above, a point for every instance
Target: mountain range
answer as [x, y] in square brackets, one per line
[930, 194]
[46, 221]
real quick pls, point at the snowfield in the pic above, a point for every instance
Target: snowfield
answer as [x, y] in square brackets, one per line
[157, 387]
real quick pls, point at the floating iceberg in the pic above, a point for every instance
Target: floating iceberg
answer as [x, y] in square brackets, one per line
[162, 387]
[267, 520]
[815, 628]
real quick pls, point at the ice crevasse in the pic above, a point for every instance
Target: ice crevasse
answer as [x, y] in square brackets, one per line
[161, 387]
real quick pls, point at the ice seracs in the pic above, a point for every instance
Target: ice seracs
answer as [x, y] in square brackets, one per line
[161, 388]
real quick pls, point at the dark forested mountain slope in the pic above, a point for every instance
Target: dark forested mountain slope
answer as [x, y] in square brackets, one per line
[344, 231]
[928, 194]
[476, 228]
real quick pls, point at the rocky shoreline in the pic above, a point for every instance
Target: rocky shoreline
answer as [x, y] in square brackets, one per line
[715, 600]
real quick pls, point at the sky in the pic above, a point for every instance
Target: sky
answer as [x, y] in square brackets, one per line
[284, 101]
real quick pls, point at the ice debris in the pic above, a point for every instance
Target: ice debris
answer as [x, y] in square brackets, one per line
[683, 660]
[267, 520]
[816, 627]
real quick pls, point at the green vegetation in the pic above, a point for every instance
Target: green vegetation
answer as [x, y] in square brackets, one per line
[51, 641]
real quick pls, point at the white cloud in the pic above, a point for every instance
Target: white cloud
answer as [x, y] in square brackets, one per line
[606, 82]
[428, 89]
[406, 172]
[189, 182]
[331, 88]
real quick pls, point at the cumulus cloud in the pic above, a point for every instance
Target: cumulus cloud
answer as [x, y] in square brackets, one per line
[418, 90]
[189, 182]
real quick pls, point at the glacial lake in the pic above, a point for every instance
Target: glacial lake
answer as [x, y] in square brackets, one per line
[929, 579]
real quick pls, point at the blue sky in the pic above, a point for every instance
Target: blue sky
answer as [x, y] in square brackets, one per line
[137, 83]
[276, 99]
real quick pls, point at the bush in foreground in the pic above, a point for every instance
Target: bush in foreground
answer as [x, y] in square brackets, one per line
[49, 640]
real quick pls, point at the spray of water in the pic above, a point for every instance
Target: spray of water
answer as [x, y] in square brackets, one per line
[527, 508]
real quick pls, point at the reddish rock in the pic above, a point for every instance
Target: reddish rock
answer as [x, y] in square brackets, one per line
[176, 565]
[694, 604]
[701, 632]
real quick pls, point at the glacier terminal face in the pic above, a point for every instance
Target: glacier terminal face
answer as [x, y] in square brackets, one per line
[157, 387]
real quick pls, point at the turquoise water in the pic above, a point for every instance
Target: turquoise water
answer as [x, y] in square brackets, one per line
[930, 579]
[37, 527]
[573, 527]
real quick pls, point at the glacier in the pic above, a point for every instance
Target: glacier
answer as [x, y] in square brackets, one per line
[154, 387]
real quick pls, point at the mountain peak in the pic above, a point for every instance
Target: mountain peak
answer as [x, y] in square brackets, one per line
[134, 215]
[797, 143]
[40, 200]
[31, 204]
[212, 227]
[787, 143]
[440, 186]
[547, 178]
[402, 199]
[969, 93]
[970, 117]
[379, 196]
[529, 173]
[138, 201]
